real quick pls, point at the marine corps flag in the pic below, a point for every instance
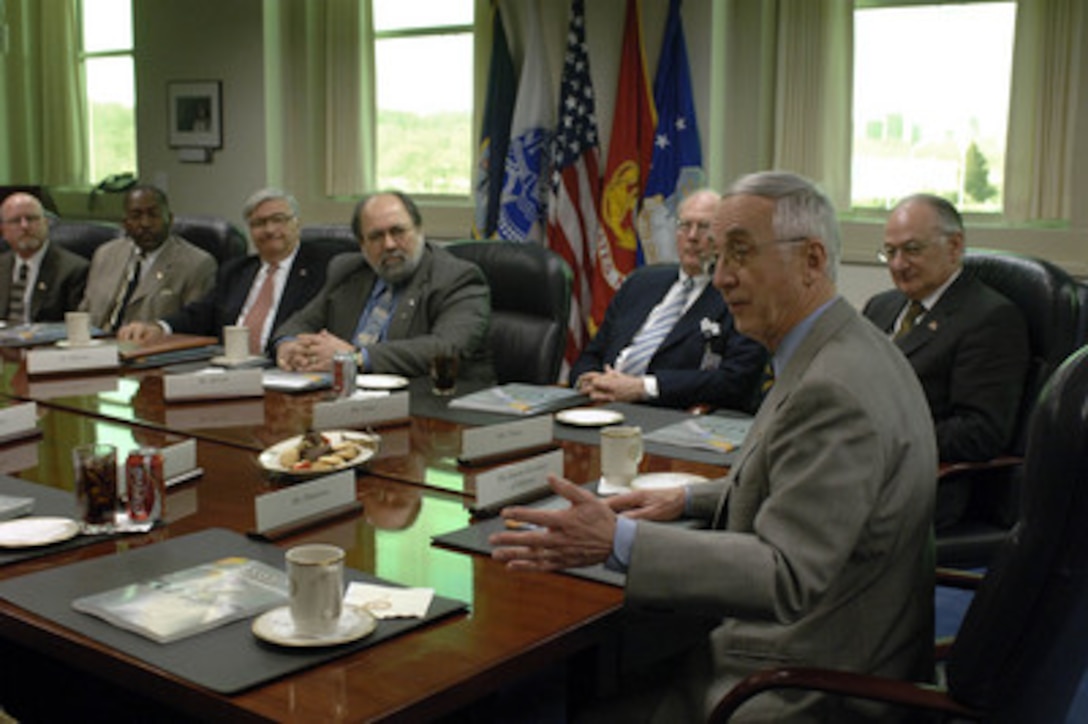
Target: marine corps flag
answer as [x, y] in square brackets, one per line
[677, 167]
[494, 130]
[629, 152]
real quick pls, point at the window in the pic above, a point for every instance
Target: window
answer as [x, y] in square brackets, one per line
[423, 55]
[931, 102]
[106, 55]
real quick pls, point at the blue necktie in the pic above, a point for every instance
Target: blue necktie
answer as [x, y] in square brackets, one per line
[658, 325]
[375, 317]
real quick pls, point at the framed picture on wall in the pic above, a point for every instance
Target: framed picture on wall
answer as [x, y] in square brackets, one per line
[195, 113]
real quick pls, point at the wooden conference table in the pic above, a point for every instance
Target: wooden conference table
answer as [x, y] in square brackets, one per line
[515, 626]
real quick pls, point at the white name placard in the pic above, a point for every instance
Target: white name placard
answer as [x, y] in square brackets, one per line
[306, 500]
[178, 460]
[44, 360]
[213, 385]
[359, 412]
[517, 480]
[18, 420]
[492, 440]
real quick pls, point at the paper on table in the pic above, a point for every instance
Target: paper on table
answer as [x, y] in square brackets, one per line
[724, 434]
[389, 601]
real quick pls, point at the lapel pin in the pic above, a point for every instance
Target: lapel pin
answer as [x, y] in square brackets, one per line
[932, 325]
[42, 287]
[158, 275]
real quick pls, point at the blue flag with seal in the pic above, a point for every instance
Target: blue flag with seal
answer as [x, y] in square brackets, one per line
[523, 207]
[677, 165]
[494, 130]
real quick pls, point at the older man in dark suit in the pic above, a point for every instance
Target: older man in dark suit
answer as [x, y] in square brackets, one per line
[39, 281]
[667, 337]
[967, 343]
[259, 291]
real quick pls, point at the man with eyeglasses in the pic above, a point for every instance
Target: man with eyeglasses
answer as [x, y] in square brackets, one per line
[148, 273]
[667, 337]
[39, 281]
[396, 306]
[817, 548]
[967, 343]
[259, 291]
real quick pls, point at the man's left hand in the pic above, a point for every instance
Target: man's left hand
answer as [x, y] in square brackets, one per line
[613, 386]
[580, 535]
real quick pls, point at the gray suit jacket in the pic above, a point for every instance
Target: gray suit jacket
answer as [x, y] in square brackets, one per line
[182, 273]
[824, 550]
[446, 302]
[58, 289]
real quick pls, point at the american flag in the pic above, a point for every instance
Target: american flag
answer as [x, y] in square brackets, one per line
[576, 180]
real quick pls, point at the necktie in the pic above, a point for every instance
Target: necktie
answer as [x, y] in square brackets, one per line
[132, 280]
[16, 305]
[657, 327]
[914, 311]
[369, 329]
[258, 313]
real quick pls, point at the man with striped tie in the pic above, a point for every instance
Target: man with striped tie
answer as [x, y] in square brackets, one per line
[39, 281]
[667, 338]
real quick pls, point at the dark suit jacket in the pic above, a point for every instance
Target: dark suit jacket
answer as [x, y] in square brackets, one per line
[222, 304]
[971, 354]
[722, 369]
[446, 303]
[59, 288]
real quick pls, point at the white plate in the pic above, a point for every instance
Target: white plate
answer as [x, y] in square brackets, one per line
[589, 417]
[381, 382]
[653, 481]
[91, 343]
[270, 458]
[222, 361]
[36, 531]
[276, 627]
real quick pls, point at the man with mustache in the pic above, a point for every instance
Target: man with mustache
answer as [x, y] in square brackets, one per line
[397, 306]
[149, 273]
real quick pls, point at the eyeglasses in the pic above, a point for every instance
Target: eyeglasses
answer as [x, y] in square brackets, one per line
[378, 235]
[273, 220]
[28, 219]
[737, 253]
[701, 228]
[910, 250]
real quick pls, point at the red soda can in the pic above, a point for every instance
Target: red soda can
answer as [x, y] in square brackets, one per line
[344, 370]
[144, 484]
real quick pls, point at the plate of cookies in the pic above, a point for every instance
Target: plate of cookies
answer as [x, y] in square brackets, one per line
[319, 453]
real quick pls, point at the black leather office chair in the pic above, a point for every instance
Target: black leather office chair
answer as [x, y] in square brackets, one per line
[1082, 295]
[82, 237]
[218, 237]
[339, 237]
[1023, 646]
[1047, 296]
[530, 305]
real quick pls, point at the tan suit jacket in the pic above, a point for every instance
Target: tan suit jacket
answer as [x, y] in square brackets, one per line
[182, 273]
[823, 549]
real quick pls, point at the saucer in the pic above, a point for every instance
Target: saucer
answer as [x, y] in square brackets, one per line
[589, 417]
[90, 343]
[276, 627]
[36, 531]
[381, 382]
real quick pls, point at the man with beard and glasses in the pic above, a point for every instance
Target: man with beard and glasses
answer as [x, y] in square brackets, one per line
[397, 306]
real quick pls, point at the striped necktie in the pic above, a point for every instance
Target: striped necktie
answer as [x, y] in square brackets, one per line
[16, 303]
[914, 311]
[125, 292]
[258, 313]
[657, 327]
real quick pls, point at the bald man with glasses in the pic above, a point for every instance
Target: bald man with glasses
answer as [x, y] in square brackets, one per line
[967, 343]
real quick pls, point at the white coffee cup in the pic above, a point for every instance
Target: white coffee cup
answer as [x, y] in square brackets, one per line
[235, 342]
[621, 452]
[315, 573]
[77, 327]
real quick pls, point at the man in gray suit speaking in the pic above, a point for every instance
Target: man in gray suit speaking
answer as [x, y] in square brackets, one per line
[819, 548]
